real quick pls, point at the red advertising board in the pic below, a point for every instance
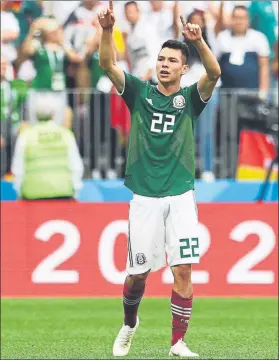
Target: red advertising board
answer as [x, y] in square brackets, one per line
[76, 249]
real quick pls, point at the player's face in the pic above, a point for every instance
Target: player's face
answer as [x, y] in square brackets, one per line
[170, 66]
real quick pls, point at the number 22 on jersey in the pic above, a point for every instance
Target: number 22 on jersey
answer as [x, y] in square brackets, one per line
[162, 123]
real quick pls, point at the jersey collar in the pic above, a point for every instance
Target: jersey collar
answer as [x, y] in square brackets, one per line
[158, 91]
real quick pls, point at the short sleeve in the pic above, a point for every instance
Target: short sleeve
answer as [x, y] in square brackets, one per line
[262, 45]
[11, 23]
[132, 88]
[197, 104]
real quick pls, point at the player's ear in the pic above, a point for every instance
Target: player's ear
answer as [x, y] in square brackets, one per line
[185, 69]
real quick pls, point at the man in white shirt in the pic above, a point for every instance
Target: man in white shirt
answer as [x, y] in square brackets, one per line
[141, 42]
[164, 19]
[61, 10]
[243, 55]
[84, 25]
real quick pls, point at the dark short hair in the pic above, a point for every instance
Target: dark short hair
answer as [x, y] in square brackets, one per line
[131, 3]
[241, 7]
[178, 45]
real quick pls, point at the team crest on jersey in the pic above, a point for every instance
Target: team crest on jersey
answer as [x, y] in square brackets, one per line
[179, 102]
[140, 259]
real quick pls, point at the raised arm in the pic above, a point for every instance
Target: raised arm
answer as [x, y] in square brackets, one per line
[219, 26]
[106, 51]
[209, 80]
[8, 36]
[175, 12]
[71, 54]
[93, 42]
[29, 45]
[225, 20]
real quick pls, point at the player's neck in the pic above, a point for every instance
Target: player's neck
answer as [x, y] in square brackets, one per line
[168, 89]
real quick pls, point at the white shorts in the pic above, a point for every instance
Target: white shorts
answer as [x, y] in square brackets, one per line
[160, 226]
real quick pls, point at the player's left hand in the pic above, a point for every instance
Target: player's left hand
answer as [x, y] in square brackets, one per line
[191, 32]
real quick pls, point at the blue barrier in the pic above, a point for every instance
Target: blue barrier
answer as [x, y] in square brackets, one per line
[115, 191]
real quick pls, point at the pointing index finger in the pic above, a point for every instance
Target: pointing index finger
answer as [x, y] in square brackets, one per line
[183, 20]
[111, 5]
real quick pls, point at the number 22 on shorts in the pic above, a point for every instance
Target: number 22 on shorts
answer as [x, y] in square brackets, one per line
[189, 248]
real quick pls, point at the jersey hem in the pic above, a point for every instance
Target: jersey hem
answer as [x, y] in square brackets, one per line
[162, 195]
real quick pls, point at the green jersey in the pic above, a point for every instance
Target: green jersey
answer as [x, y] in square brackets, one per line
[161, 155]
[50, 70]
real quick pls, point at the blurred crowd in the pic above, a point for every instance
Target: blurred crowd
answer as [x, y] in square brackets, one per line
[49, 47]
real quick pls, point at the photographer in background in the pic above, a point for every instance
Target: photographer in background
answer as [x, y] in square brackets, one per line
[46, 163]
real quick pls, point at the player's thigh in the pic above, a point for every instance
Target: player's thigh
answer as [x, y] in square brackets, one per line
[182, 231]
[146, 233]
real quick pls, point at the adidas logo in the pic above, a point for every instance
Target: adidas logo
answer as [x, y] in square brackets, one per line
[149, 101]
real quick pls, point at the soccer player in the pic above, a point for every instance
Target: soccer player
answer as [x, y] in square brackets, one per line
[160, 172]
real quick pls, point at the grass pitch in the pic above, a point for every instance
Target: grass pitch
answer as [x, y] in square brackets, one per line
[220, 328]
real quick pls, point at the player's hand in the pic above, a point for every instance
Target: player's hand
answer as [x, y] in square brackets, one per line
[106, 17]
[191, 32]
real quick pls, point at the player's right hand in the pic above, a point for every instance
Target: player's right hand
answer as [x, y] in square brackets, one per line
[106, 17]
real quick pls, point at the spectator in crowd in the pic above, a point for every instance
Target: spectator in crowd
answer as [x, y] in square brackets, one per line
[207, 121]
[264, 18]
[25, 12]
[165, 20]
[243, 55]
[82, 24]
[141, 43]
[61, 10]
[46, 163]
[188, 7]
[82, 31]
[225, 21]
[48, 54]
[11, 121]
[10, 101]
[9, 33]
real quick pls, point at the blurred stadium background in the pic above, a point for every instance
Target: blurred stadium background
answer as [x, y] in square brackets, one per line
[63, 262]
